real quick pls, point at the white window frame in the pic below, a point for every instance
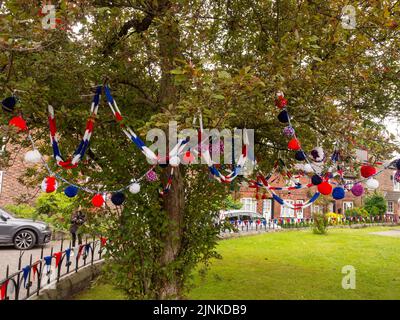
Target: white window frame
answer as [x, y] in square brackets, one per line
[267, 208]
[316, 208]
[249, 204]
[346, 207]
[299, 212]
[390, 208]
[287, 212]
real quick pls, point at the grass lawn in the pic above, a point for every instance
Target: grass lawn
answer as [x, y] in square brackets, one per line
[296, 265]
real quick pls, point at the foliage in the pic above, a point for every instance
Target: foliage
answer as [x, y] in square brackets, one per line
[357, 212]
[320, 223]
[231, 204]
[375, 204]
[167, 59]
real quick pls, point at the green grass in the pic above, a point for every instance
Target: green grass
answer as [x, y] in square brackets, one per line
[297, 265]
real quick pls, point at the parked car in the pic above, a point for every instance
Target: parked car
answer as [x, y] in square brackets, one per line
[24, 234]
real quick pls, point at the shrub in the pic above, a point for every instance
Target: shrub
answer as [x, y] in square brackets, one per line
[320, 223]
[334, 218]
[375, 204]
[357, 212]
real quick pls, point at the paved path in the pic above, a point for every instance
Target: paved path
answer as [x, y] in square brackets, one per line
[390, 233]
[9, 256]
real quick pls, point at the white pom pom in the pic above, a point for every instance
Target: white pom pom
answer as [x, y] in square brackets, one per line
[32, 156]
[134, 188]
[308, 168]
[372, 183]
[318, 154]
[174, 161]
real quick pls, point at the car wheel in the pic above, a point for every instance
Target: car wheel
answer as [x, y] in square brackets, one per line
[24, 240]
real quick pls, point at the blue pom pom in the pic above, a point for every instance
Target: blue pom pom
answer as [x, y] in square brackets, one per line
[316, 180]
[71, 191]
[300, 156]
[338, 193]
[118, 198]
[398, 164]
[283, 116]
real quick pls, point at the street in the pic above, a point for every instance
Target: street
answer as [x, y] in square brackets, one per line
[10, 256]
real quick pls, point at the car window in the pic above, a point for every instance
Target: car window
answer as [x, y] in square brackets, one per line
[5, 214]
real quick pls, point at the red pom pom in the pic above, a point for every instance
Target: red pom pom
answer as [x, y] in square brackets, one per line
[367, 171]
[281, 102]
[325, 188]
[98, 200]
[51, 184]
[19, 123]
[294, 144]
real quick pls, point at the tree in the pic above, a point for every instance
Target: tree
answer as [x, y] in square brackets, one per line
[375, 204]
[165, 60]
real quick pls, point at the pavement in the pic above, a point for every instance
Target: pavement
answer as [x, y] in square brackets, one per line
[390, 233]
[10, 256]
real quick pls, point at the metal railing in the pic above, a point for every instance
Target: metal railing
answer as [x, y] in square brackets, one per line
[48, 270]
[287, 223]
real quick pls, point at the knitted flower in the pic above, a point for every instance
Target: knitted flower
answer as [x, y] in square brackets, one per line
[151, 176]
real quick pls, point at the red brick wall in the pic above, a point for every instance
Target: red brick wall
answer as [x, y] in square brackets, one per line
[12, 191]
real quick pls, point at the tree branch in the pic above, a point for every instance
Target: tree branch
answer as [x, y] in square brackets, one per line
[138, 26]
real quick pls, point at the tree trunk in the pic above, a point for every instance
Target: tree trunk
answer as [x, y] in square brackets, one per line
[174, 201]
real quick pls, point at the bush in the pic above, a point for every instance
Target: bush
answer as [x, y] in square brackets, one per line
[357, 212]
[375, 204]
[320, 223]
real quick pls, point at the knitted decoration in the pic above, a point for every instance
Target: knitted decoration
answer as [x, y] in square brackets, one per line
[8, 104]
[300, 156]
[318, 154]
[118, 198]
[372, 183]
[71, 191]
[308, 168]
[397, 176]
[188, 157]
[316, 180]
[398, 164]
[32, 156]
[134, 188]
[367, 171]
[338, 193]
[19, 123]
[357, 189]
[325, 188]
[281, 102]
[294, 144]
[174, 161]
[151, 176]
[283, 116]
[98, 200]
[288, 131]
[49, 184]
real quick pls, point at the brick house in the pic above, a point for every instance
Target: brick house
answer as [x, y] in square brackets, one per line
[12, 191]
[269, 208]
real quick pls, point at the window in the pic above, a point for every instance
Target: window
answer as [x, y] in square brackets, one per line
[249, 204]
[316, 208]
[390, 207]
[299, 212]
[287, 212]
[347, 205]
[267, 208]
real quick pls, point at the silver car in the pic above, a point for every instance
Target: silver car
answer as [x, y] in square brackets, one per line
[24, 234]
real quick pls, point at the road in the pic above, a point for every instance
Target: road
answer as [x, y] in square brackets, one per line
[10, 256]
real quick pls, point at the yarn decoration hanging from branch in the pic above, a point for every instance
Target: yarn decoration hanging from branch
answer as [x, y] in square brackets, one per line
[84, 143]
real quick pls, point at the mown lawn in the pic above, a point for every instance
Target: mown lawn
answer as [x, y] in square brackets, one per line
[296, 265]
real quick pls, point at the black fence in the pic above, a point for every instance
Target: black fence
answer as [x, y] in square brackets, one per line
[29, 280]
[287, 223]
